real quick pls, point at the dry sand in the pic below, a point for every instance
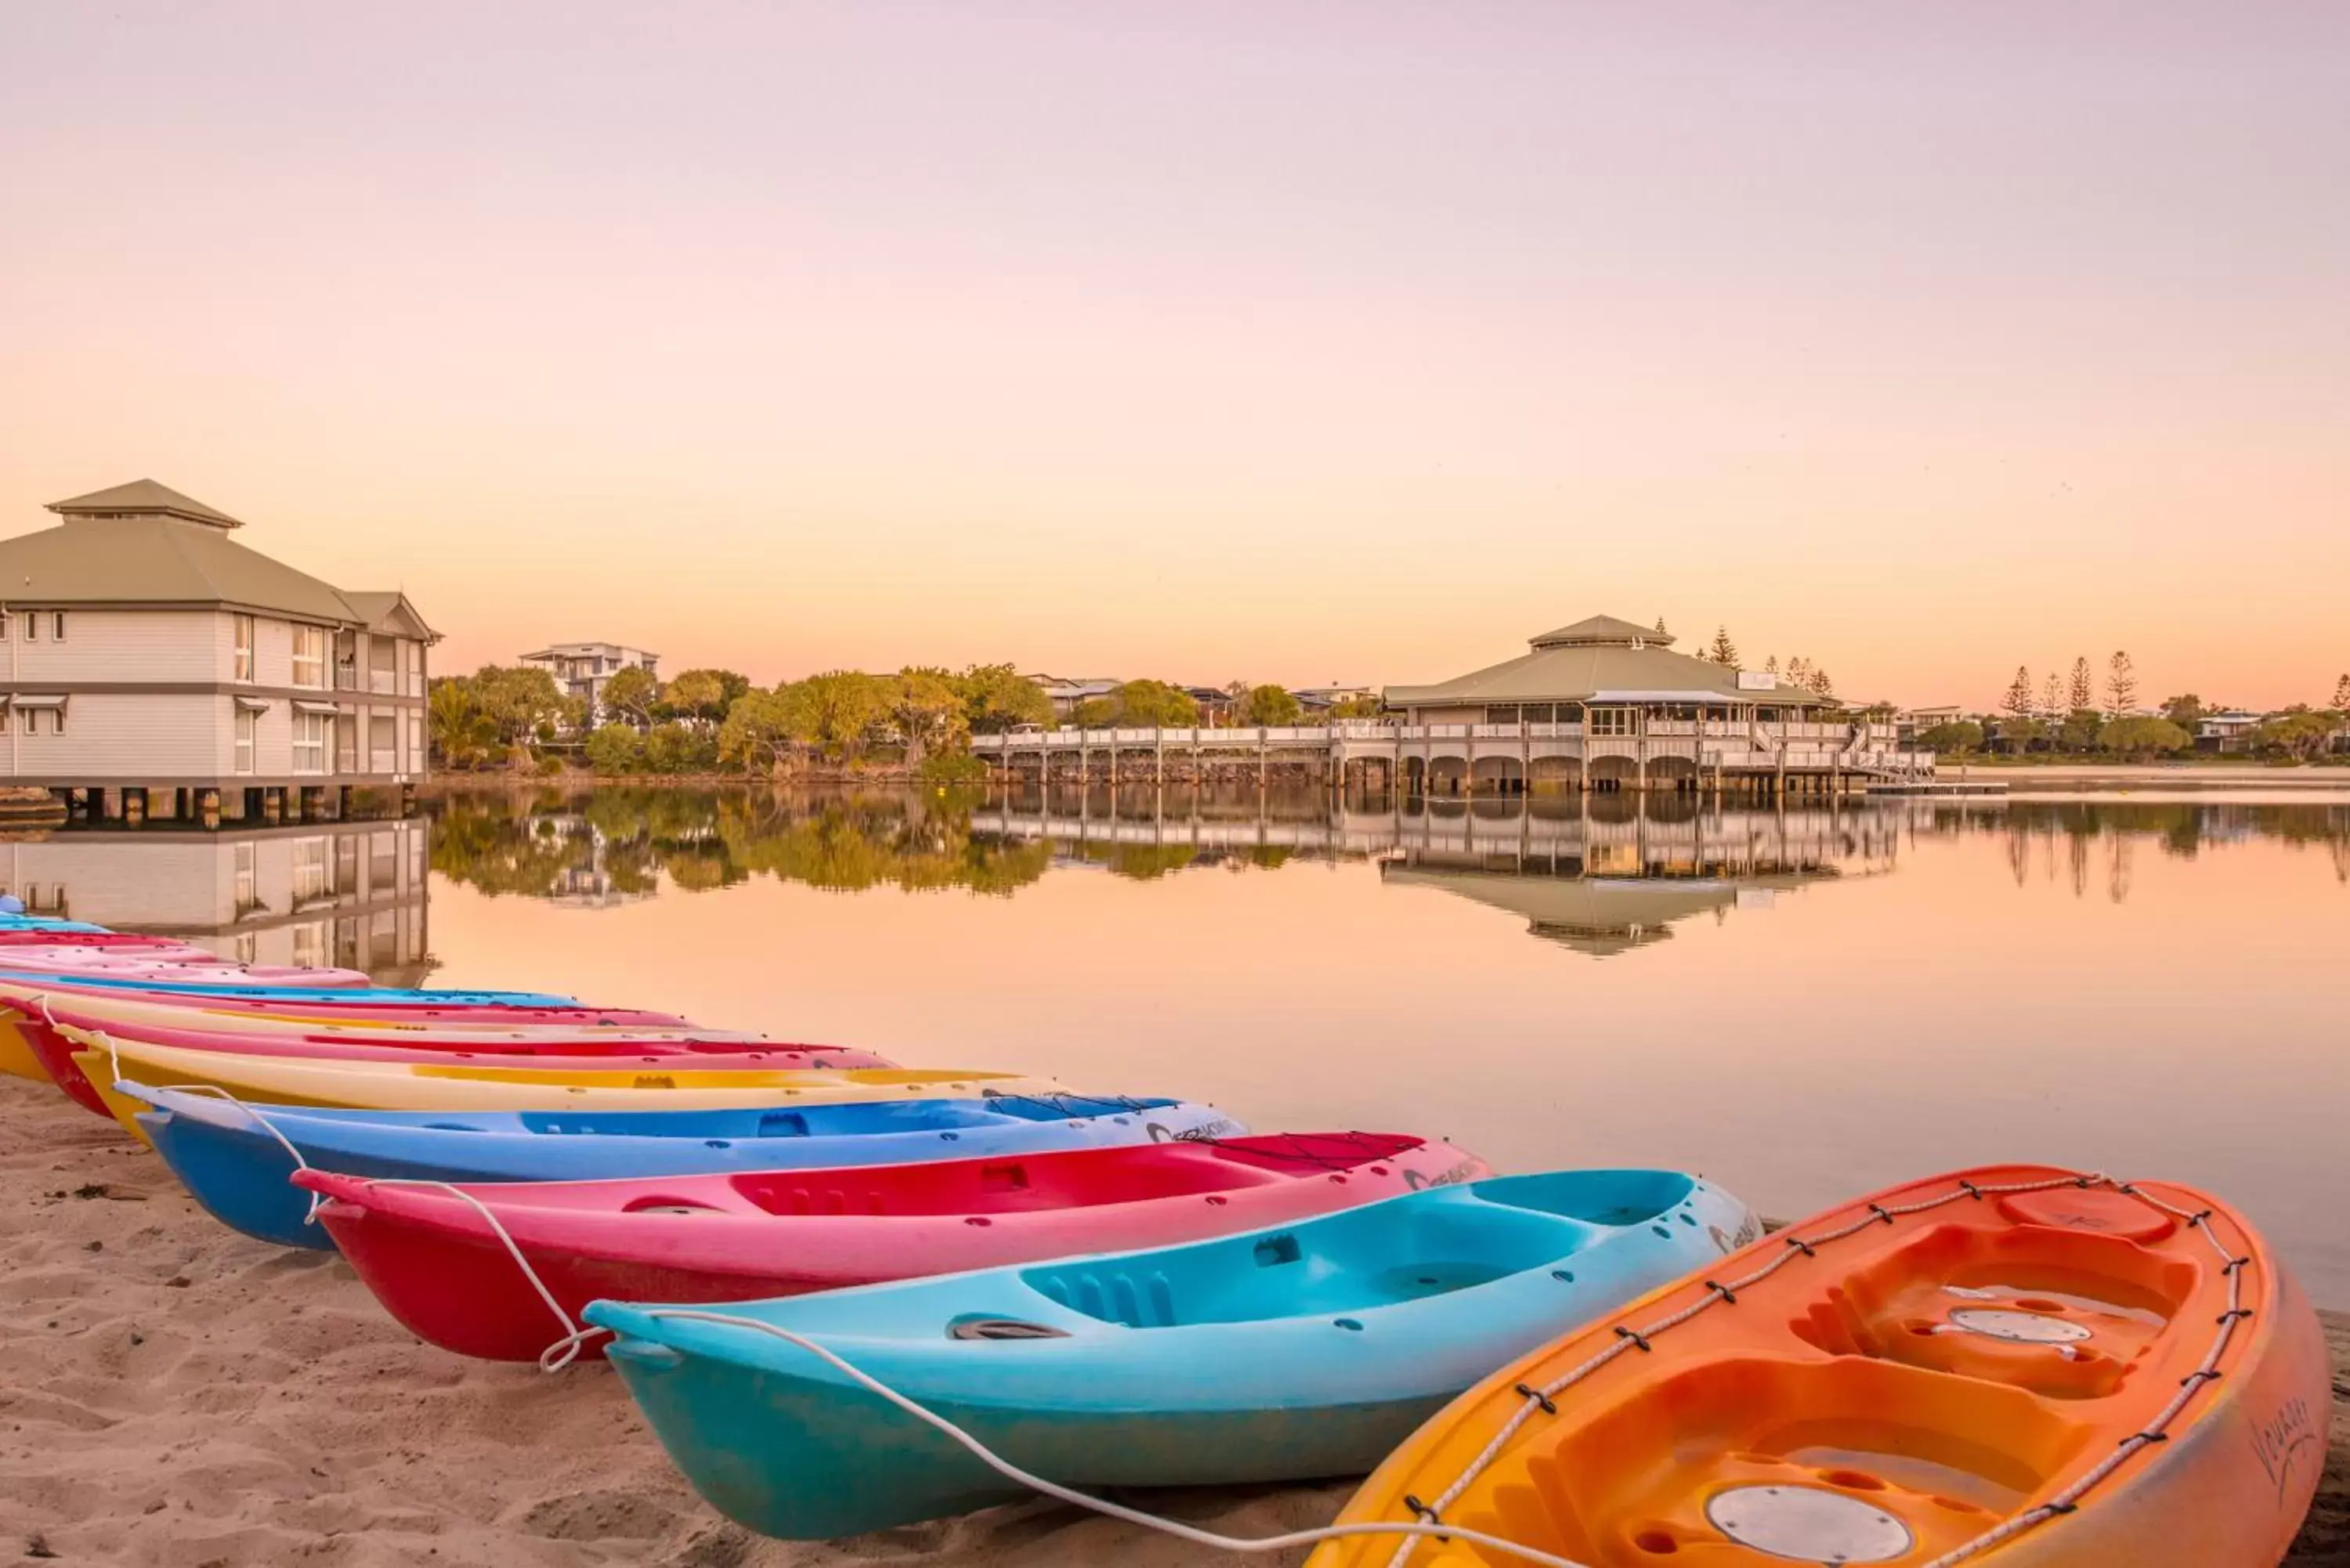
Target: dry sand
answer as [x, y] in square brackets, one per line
[178, 1395]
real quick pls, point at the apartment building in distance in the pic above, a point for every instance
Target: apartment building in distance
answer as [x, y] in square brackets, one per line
[584, 669]
[152, 664]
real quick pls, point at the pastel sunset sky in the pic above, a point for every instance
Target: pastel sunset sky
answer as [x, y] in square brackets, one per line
[1296, 341]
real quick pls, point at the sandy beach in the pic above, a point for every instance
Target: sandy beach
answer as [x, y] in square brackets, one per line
[174, 1395]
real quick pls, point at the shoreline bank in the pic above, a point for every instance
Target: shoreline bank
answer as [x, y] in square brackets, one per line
[173, 1392]
[2021, 776]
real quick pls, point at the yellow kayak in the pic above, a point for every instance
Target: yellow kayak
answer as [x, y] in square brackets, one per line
[420, 1087]
[16, 1057]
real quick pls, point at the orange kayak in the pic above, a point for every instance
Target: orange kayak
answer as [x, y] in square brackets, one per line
[2009, 1368]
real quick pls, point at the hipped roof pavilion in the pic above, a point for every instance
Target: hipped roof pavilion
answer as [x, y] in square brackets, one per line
[1601, 661]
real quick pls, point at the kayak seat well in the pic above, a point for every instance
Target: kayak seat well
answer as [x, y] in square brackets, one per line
[2065, 1314]
[1613, 1198]
[1756, 1447]
[1381, 1255]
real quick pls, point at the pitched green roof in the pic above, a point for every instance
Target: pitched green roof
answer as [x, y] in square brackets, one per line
[1603, 628]
[1594, 660]
[144, 542]
[144, 496]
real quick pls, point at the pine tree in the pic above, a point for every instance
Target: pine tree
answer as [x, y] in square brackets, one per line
[1771, 666]
[1821, 684]
[2050, 697]
[2121, 684]
[1660, 628]
[1799, 671]
[2084, 689]
[2342, 694]
[2018, 701]
[1724, 652]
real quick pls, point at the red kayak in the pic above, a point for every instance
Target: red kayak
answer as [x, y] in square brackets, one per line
[434, 1262]
[37, 1027]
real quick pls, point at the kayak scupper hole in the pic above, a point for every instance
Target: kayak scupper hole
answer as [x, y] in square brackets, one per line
[1002, 1328]
[1347, 1323]
[717, 1143]
[980, 1220]
[1687, 1218]
[1851, 1481]
[1217, 1200]
[1563, 1276]
[1378, 1170]
[1659, 1543]
[1660, 1231]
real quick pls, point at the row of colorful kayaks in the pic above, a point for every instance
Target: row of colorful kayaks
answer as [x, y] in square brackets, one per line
[850, 1296]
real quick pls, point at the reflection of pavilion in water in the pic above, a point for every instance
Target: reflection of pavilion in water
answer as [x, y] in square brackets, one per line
[1600, 873]
[350, 894]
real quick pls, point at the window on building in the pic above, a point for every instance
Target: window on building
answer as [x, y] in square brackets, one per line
[415, 742]
[57, 626]
[415, 668]
[243, 634]
[1502, 714]
[57, 720]
[382, 736]
[248, 736]
[1612, 720]
[24, 720]
[313, 733]
[32, 626]
[310, 656]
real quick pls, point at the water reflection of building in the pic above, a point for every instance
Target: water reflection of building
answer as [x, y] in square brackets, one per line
[345, 894]
[1599, 873]
[587, 879]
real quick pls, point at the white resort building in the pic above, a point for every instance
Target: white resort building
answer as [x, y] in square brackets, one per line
[583, 669]
[154, 665]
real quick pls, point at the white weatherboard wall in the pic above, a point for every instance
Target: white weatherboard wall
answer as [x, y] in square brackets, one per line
[118, 733]
[117, 645]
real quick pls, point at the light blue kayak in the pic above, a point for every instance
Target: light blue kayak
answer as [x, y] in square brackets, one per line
[1286, 1354]
[238, 1171]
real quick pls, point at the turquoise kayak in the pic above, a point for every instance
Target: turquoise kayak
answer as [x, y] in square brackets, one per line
[1293, 1354]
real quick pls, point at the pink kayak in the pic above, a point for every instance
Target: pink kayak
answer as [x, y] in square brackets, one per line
[433, 1261]
[208, 969]
[370, 1010]
[12, 940]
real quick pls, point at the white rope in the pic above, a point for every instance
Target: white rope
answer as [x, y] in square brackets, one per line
[1176, 1528]
[564, 1351]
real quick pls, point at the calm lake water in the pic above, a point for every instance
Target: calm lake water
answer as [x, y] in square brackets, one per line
[1803, 1004]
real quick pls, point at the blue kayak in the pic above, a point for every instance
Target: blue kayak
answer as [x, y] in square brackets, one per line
[234, 1168]
[378, 995]
[1293, 1353]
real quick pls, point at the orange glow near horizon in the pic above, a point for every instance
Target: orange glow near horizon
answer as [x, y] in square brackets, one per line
[1308, 344]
